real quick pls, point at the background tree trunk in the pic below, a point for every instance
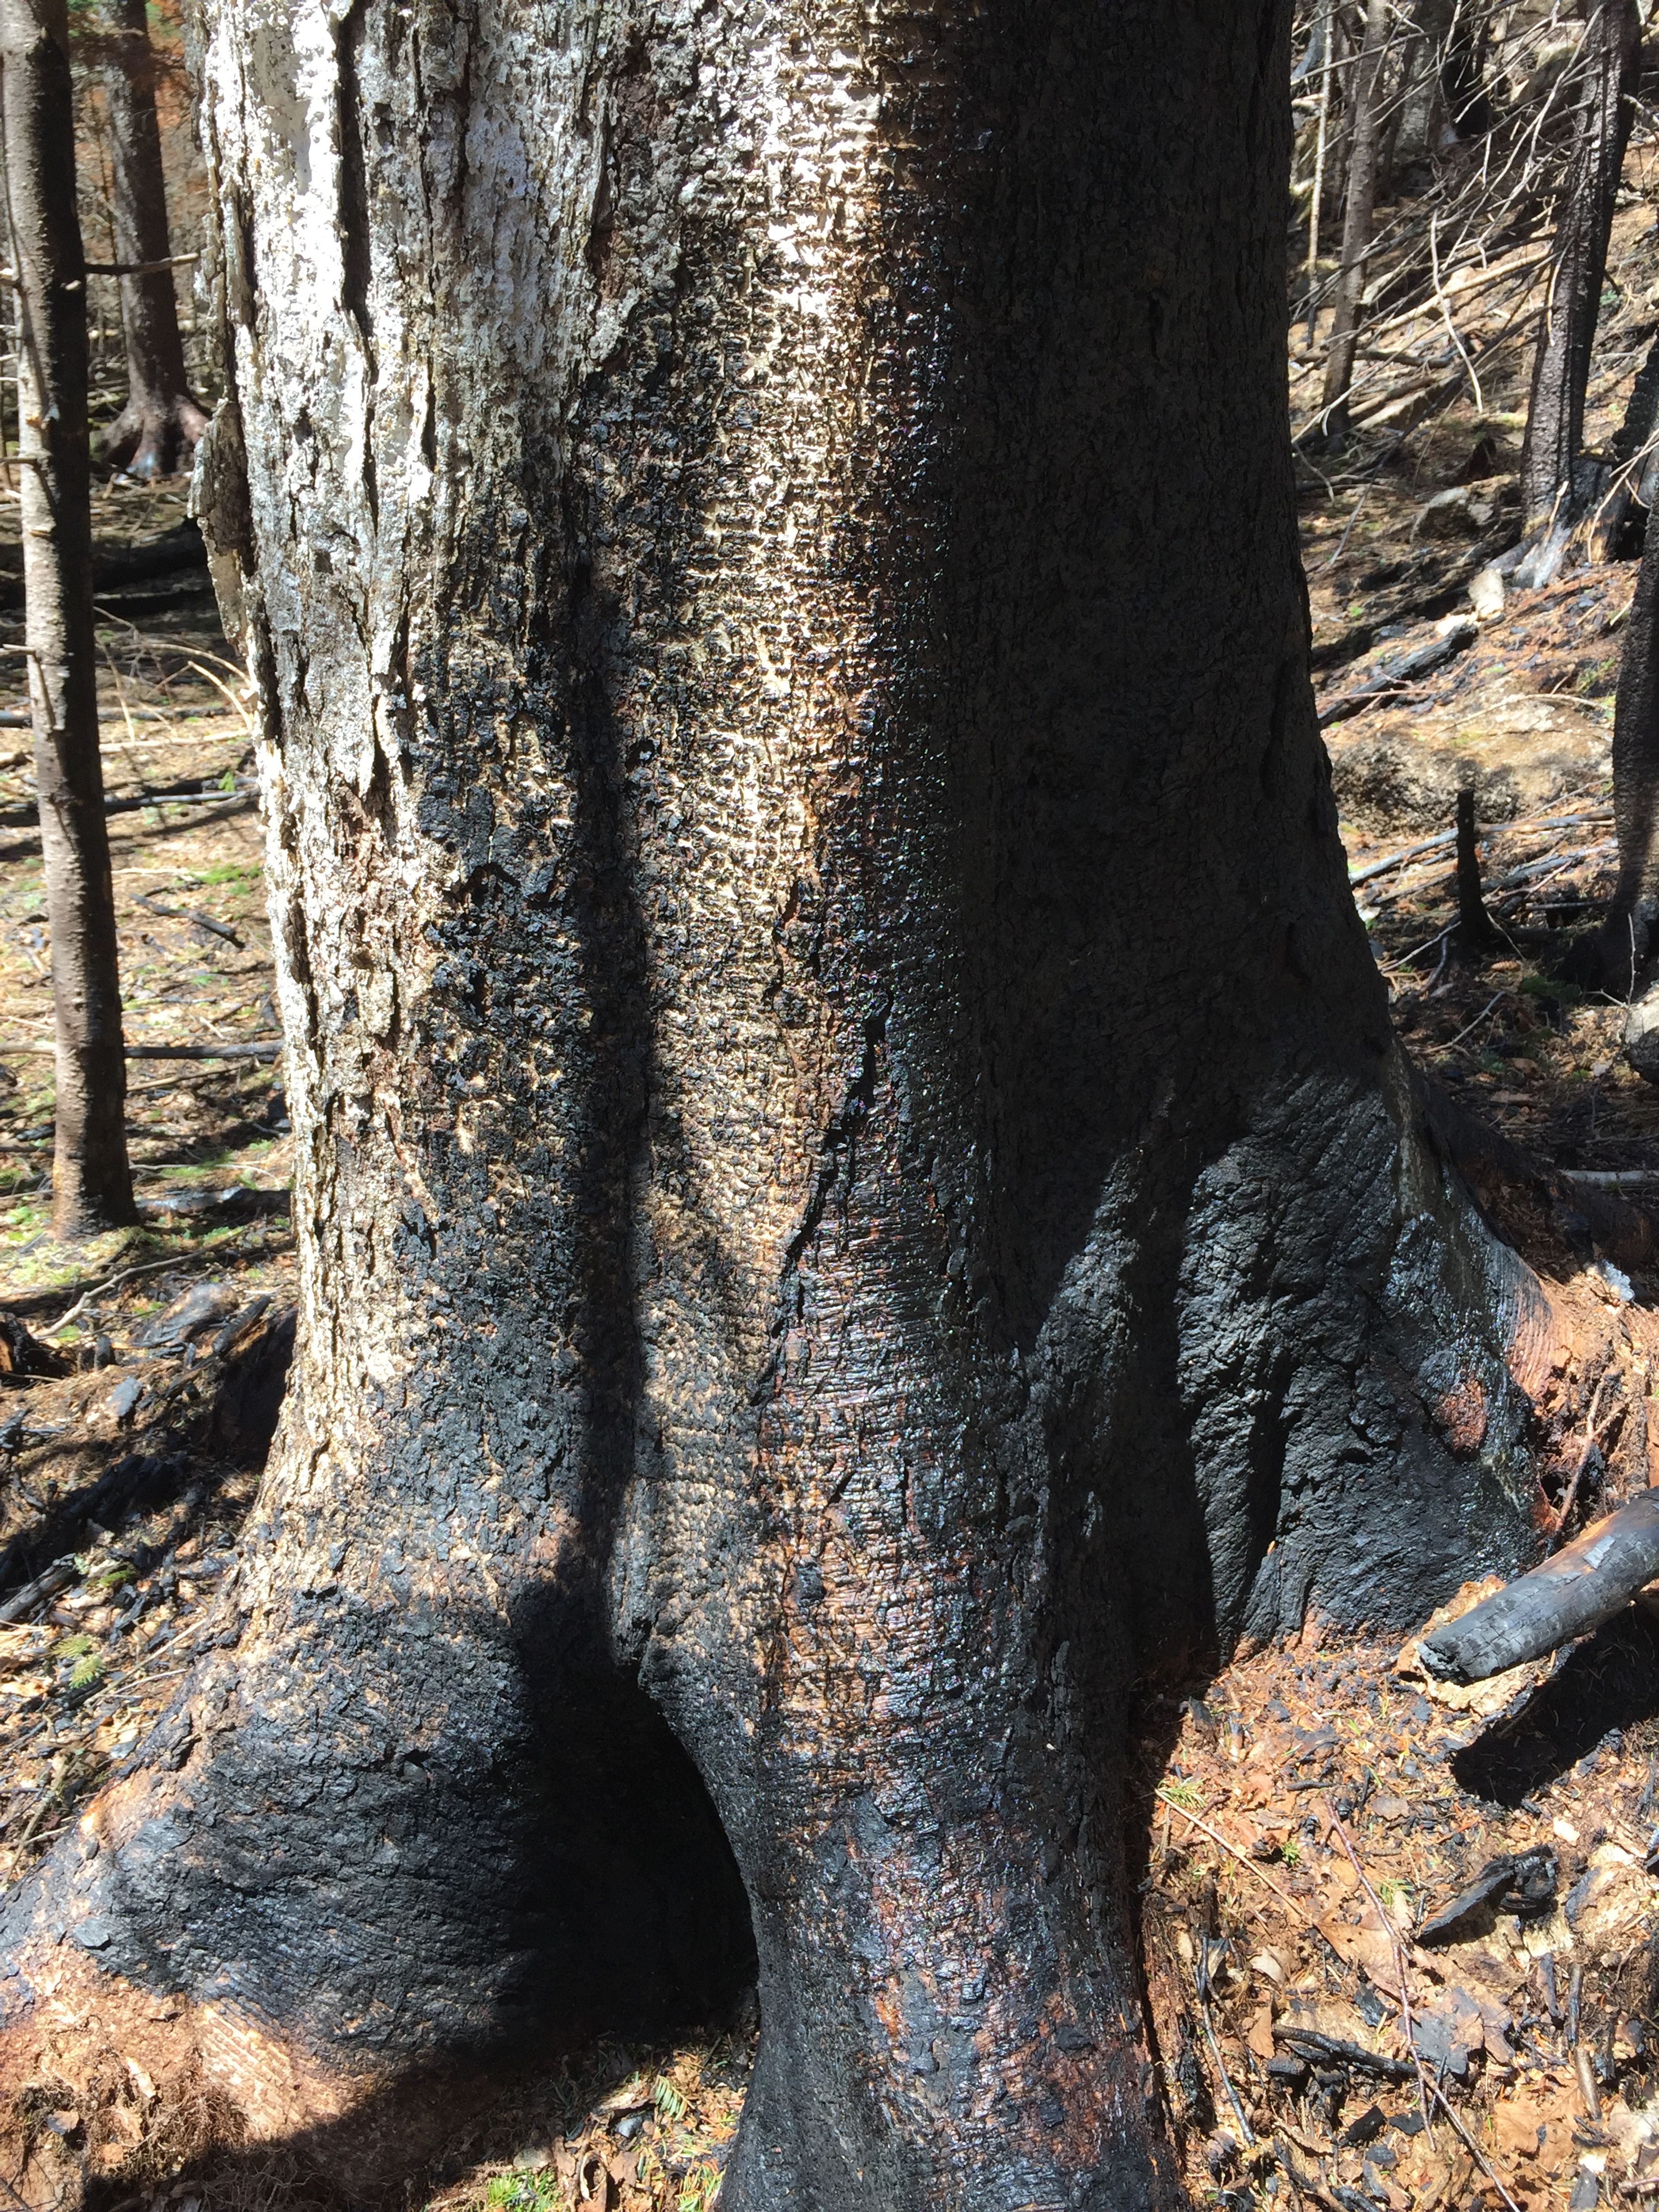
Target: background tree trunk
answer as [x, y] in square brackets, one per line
[1463, 69]
[92, 1187]
[1357, 220]
[156, 432]
[1553, 498]
[853, 1184]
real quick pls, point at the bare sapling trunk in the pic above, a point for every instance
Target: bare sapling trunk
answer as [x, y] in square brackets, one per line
[1557, 486]
[854, 1187]
[1366, 123]
[92, 1185]
[156, 432]
[1614, 956]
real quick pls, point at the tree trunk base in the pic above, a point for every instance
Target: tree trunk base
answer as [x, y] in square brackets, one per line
[154, 437]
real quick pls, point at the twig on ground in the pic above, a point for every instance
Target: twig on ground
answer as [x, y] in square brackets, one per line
[1232, 1851]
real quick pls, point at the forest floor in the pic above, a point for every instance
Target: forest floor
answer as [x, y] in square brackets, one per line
[1302, 1816]
[1305, 1816]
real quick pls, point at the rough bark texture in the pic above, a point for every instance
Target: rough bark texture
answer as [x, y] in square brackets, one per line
[853, 1184]
[156, 432]
[1613, 956]
[92, 1188]
[1551, 453]
[1361, 205]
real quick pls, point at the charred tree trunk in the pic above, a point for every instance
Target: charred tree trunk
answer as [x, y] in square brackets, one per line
[156, 432]
[92, 1188]
[1463, 69]
[854, 1182]
[1365, 118]
[1612, 959]
[1556, 488]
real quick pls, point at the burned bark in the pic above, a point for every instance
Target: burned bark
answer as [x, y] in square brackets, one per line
[92, 1186]
[1588, 1582]
[809, 1277]
[156, 432]
[1557, 486]
[1365, 121]
[1463, 69]
[1613, 957]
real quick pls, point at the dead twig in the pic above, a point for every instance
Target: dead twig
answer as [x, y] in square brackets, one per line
[1233, 1852]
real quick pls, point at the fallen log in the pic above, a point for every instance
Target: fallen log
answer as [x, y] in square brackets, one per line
[114, 568]
[1404, 669]
[1585, 1585]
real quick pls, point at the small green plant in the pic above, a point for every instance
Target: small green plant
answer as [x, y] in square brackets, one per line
[1184, 1793]
[1291, 1851]
[87, 1662]
[667, 2099]
[700, 2186]
[524, 2192]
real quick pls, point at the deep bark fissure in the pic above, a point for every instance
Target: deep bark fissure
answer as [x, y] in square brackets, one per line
[92, 1185]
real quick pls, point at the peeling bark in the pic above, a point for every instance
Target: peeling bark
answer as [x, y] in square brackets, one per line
[854, 1185]
[92, 1187]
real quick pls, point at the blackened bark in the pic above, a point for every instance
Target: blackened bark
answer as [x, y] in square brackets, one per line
[853, 1182]
[156, 431]
[1614, 956]
[1621, 512]
[1463, 69]
[1365, 121]
[1474, 925]
[92, 1188]
[1550, 465]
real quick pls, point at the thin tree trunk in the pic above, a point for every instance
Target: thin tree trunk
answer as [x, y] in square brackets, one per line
[1612, 958]
[854, 1182]
[92, 1187]
[1326, 40]
[156, 431]
[1397, 101]
[1356, 221]
[1551, 497]
[1463, 72]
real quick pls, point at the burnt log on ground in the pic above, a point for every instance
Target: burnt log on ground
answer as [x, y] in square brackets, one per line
[1587, 1582]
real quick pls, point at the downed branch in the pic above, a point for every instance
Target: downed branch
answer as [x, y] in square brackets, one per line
[1585, 1585]
[260, 1049]
[1331, 2051]
[1395, 675]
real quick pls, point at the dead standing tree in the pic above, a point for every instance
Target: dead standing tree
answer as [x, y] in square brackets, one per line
[92, 1185]
[1558, 488]
[854, 1182]
[1366, 129]
[156, 431]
